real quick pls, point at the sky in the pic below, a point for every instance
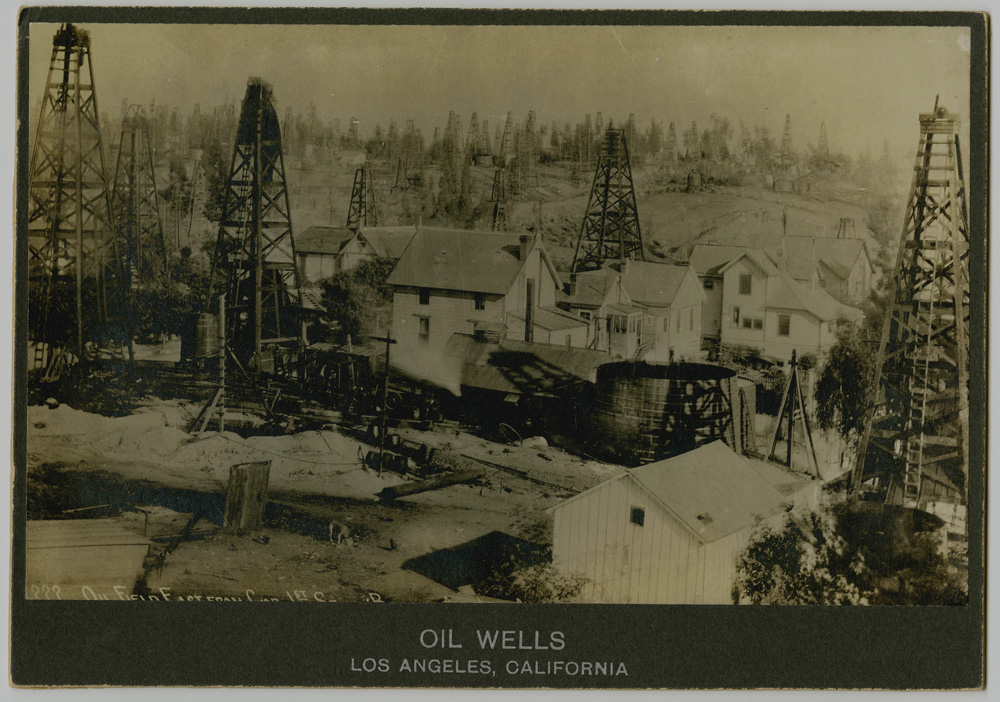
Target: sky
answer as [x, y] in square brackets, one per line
[866, 83]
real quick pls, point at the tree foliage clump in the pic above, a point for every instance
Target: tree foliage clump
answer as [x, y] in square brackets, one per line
[359, 299]
[843, 390]
[843, 554]
[532, 583]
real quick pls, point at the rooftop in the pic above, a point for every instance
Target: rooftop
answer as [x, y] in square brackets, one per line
[523, 367]
[652, 284]
[388, 242]
[552, 319]
[786, 293]
[712, 490]
[452, 259]
[322, 239]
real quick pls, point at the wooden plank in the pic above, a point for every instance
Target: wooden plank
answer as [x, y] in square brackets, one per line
[246, 495]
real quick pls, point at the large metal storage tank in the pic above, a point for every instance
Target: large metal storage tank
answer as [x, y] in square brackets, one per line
[646, 412]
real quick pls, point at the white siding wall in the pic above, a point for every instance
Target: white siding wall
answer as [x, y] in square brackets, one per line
[660, 562]
[751, 306]
[711, 310]
[449, 312]
[315, 267]
[804, 334]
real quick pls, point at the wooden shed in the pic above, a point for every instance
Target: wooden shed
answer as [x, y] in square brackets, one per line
[670, 532]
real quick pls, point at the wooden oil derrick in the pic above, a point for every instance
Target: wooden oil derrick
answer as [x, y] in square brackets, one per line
[254, 262]
[914, 448]
[506, 151]
[672, 143]
[785, 154]
[527, 158]
[823, 149]
[136, 205]
[587, 141]
[76, 279]
[846, 230]
[484, 138]
[610, 228]
[353, 132]
[472, 140]
[499, 199]
[792, 411]
[363, 211]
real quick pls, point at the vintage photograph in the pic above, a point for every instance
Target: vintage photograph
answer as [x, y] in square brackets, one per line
[498, 314]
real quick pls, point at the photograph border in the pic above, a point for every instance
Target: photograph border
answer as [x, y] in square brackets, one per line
[663, 646]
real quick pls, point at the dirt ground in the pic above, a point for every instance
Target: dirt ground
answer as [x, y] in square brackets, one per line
[326, 535]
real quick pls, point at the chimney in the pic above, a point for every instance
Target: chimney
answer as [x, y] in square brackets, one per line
[571, 285]
[523, 254]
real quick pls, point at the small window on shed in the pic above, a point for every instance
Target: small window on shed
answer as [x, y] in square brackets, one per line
[424, 296]
[746, 283]
[480, 301]
[638, 516]
[784, 324]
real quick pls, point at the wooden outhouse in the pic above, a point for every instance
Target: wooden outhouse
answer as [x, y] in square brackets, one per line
[671, 532]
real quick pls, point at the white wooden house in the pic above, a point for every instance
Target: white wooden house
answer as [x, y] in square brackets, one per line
[671, 532]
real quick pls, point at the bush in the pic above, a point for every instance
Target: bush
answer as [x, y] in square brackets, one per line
[537, 583]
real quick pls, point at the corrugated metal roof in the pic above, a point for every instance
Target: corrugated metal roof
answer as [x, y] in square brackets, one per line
[524, 367]
[711, 489]
[68, 533]
[447, 259]
[322, 239]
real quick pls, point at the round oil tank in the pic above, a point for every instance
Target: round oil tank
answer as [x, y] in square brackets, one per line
[645, 412]
[206, 335]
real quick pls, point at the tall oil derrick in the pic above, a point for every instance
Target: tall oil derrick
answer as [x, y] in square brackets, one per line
[506, 151]
[136, 204]
[73, 248]
[472, 141]
[823, 149]
[254, 261]
[353, 132]
[914, 448]
[610, 228]
[630, 131]
[363, 211]
[499, 199]
[587, 141]
[672, 143]
[785, 154]
[599, 124]
[484, 138]
[528, 154]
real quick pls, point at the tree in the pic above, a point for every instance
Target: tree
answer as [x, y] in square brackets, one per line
[844, 385]
[850, 553]
[358, 299]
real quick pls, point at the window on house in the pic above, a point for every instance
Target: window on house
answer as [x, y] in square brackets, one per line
[584, 315]
[480, 301]
[690, 318]
[752, 323]
[746, 282]
[758, 323]
[638, 516]
[666, 324]
[619, 323]
[709, 284]
[424, 330]
[736, 314]
[784, 325]
[424, 296]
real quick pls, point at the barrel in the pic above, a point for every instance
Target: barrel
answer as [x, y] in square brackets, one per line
[206, 335]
